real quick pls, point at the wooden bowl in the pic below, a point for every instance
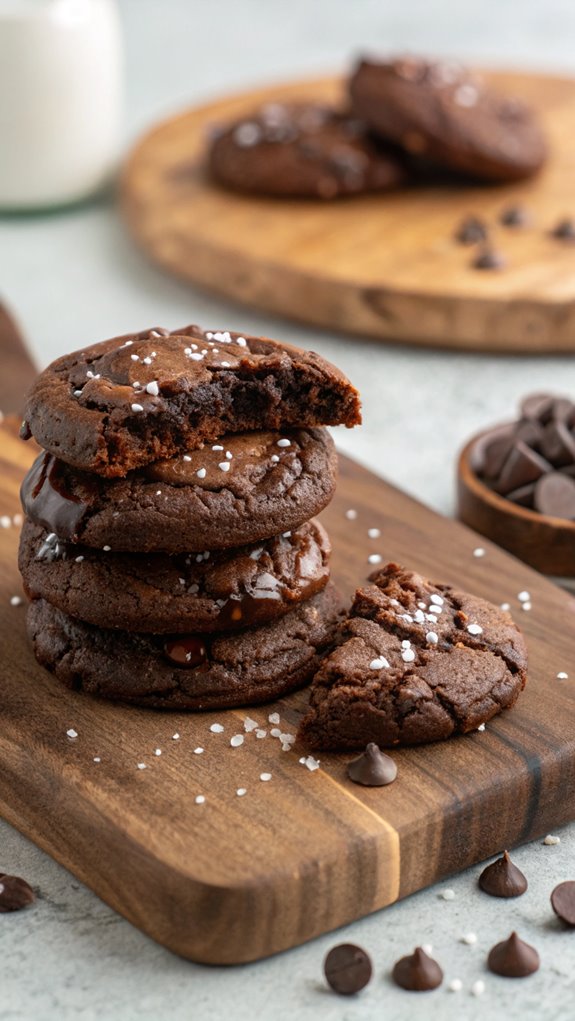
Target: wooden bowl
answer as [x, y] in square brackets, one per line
[546, 543]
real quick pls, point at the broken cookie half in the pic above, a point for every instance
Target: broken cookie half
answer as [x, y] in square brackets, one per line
[417, 662]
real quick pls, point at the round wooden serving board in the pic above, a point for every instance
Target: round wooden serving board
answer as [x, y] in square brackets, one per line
[381, 265]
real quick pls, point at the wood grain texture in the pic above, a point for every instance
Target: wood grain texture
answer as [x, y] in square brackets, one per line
[238, 878]
[18, 369]
[381, 265]
[546, 543]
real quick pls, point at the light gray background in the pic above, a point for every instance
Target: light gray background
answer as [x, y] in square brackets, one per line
[75, 278]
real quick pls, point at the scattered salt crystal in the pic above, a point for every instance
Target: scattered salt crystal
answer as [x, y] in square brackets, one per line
[16, 600]
[408, 655]
[216, 728]
[224, 466]
[265, 776]
[479, 551]
[274, 717]
[249, 725]
[562, 676]
[455, 985]
[438, 600]
[551, 841]
[186, 457]
[526, 606]
[427, 948]
[311, 763]
[284, 443]
[72, 733]
[474, 629]
[106, 549]
[523, 597]
[431, 638]
[275, 732]
[137, 407]
[199, 799]
[241, 791]
[153, 388]
[261, 733]
[5, 521]
[198, 751]
[447, 895]
[374, 533]
[17, 520]
[505, 606]
[275, 458]
[478, 988]
[351, 515]
[158, 751]
[481, 726]
[217, 447]
[201, 473]
[79, 560]
[469, 938]
[380, 663]
[97, 758]
[374, 558]
[175, 737]
[237, 740]
[142, 765]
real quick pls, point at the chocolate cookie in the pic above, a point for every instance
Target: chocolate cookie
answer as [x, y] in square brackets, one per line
[444, 113]
[190, 671]
[147, 396]
[191, 592]
[417, 662]
[302, 150]
[240, 490]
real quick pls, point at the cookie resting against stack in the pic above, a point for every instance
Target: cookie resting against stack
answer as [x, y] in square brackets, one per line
[415, 662]
[170, 551]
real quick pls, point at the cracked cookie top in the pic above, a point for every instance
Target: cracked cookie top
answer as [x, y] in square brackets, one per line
[417, 662]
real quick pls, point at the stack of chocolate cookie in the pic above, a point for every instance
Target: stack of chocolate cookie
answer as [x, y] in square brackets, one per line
[170, 550]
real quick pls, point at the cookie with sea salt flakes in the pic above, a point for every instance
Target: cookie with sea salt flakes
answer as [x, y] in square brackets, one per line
[210, 591]
[446, 114]
[417, 662]
[302, 150]
[189, 671]
[242, 489]
[132, 400]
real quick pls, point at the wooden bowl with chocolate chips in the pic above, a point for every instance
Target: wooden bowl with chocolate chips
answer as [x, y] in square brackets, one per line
[516, 484]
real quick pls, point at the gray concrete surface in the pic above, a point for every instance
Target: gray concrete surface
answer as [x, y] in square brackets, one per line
[75, 277]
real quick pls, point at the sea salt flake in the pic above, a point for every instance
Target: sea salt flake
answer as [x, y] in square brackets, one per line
[436, 599]
[241, 791]
[474, 629]
[505, 606]
[175, 737]
[275, 732]
[379, 663]
[374, 558]
[455, 985]
[97, 758]
[274, 718]
[158, 751]
[523, 597]
[261, 733]
[237, 740]
[431, 638]
[470, 939]
[198, 751]
[481, 727]
[201, 473]
[5, 521]
[142, 765]
[526, 605]
[274, 458]
[311, 763]
[265, 777]
[479, 551]
[186, 457]
[373, 533]
[224, 466]
[351, 515]
[284, 443]
[478, 988]
[551, 841]
[447, 894]
[16, 600]
[216, 728]
[408, 655]
[199, 799]
[250, 724]
[72, 733]
[562, 676]
[137, 407]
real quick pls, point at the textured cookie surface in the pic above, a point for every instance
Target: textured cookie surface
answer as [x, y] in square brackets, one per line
[188, 672]
[305, 150]
[169, 594]
[444, 113]
[144, 397]
[417, 662]
[204, 500]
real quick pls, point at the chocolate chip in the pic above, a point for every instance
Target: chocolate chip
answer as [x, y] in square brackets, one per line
[495, 453]
[489, 258]
[565, 229]
[555, 496]
[15, 894]
[417, 972]
[471, 231]
[557, 444]
[347, 969]
[563, 902]
[503, 879]
[513, 958]
[537, 406]
[523, 465]
[524, 496]
[372, 768]
[187, 651]
[514, 216]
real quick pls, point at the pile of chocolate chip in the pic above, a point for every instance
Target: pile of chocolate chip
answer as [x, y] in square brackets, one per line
[532, 461]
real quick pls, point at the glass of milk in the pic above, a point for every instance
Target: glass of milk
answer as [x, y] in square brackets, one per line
[61, 100]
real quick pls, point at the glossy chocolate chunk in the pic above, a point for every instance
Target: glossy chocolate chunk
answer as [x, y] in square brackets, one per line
[512, 958]
[347, 969]
[503, 879]
[417, 972]
[373, 768]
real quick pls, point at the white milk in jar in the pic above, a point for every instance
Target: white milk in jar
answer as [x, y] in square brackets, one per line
[60, 99]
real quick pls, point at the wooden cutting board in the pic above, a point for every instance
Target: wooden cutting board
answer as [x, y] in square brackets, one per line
[237, 878]
[381, 265]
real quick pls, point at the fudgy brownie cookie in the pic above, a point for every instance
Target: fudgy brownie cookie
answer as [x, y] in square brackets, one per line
[190, 671]
[157, 593]
[417, 662]
[444, 113]
[241, 489]
[302, 150]
[135, 399]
